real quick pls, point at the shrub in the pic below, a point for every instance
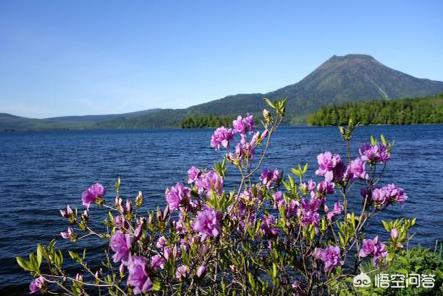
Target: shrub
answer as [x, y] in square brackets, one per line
[271, 234]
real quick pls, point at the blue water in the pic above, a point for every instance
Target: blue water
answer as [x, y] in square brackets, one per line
[42, 172]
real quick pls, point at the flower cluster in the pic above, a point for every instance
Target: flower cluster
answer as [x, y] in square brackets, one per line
[270, 178]
[373, 248]
[375, 153]
[382, 197]
[93, 193]
[330, 256]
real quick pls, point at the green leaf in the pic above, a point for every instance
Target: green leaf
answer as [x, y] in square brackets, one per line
[156, 286]
[274, 270]
[39, 255]
[269, 102]
[383, 140]
[117, 185]
[25, 264]
[251, 280]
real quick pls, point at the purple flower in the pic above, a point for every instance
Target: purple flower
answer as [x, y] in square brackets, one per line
[36, 285]
[268, 227]
[177, 195]
[207, 223]
[91, 194]
[330, 166]
[182, 272]
[388, 194]
[157, 262]
[270, 178]
[374, 153]
[193, 174]
[244, 149]
[330, 256]
[309, 211]
[395, 194]
[338, 208]
[69, 234]
[221, 137]
[161, 242]
[279, 201]
[379, 197]
[356, 170]
[375, 248]
[243, 125]
[138, 277]
[210, 181]
[121, 244]
[324, 188]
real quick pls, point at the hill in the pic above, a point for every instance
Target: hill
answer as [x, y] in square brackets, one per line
[341, 79]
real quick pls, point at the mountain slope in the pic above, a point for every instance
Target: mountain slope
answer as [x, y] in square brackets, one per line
[340, 79]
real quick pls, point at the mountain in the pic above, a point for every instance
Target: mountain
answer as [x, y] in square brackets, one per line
[341, 79]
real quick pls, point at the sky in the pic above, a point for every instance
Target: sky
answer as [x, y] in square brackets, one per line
[99, 57]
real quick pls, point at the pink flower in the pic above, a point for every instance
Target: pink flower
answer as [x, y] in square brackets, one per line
[210, 181]
[374, 153]
[69, 234]
[177, 195]
[207, 223]
[356, 170]
[36, 285]
[158, 262]
[193, 174]
[221, 137]
[268, 226]
[375, 248]
[91, 194]
[243, 125]
[182, 272]
[330, 166]
[338, 208]
[270, 178]
[330, 256]
[121, 244]
[161, 242]
[138, 276]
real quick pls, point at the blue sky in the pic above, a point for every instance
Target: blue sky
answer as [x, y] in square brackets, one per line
[98, 57]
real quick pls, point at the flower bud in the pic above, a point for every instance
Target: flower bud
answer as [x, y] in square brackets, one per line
[166, 213]
[139, 199]
[267, 116]
[79, 278]
[182, 272]
[122, 270]
[118, 203]
[159, 215]
[128, 206]
[201, 271]
[394, 234]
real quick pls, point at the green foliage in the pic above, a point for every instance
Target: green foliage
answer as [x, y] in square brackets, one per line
[416, 260]
[206, 121]
[404, 111]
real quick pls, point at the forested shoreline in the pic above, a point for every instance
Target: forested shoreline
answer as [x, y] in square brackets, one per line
[426, 110]
[209, 121]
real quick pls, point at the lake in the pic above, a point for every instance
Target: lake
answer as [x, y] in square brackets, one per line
[41, 172]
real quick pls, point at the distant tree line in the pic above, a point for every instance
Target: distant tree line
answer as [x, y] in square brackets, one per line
[403, 111]
[211, 121]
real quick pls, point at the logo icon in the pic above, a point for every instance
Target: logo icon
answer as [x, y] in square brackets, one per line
[362, 280]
